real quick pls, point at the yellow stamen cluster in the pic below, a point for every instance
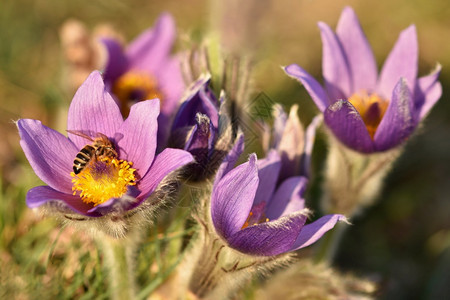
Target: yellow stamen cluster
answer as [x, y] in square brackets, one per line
[252, 221]
[103, 179]
[135, 86]
[371, 107]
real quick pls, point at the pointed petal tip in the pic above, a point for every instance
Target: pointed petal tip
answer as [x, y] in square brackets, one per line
[409, 32]
[155, 103]
[342, 218]
[349, 13]
[399, 120]
[401, 82]
[437, 68]
[293, 70]
[324, 28]
[312, 232]
[294, 109]
[411, 28]
[95, 76]
[312, 86]
[322, 25]
[429, 91]
[166, 16]
[348, 9]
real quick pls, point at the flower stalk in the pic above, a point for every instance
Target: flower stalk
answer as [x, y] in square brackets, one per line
[119, 261]
[354, 180]
[219, 271]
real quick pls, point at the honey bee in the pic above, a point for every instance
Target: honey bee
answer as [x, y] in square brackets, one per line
[100, 147]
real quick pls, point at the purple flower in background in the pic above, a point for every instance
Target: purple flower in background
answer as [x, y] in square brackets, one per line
[146, 70]
[369, 112]
[196, 129]
[257, 216]
[101, 180]
[290, 140]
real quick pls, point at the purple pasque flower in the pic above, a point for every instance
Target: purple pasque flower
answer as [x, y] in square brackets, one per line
[369, 112]
[202, 128]
[291, 141]
[256, 216]
[146, 70]
[108, 183]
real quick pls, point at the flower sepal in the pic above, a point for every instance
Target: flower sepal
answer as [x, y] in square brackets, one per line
[354, 180]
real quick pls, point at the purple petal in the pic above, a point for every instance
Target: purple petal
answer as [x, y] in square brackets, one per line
[401, 62]
[136, 137]
[200, 145]
[149, 51]
[310, 137]
[291, 145]
[201, 135]
[231, 158]
[116, 63]
[171, 84]
[347, 125]
[93, 111]
[166, 162]
[50, 154]
[118, 205]
[269, 238]
[40, 195]
[268, 170]
[199, 100]
[314, 89]
[335, 67]
[398, 121]
[358, 52]
[232, 198]
[288, 198]
[312, 232]
[210, 105]
[279, 123]
[189, 104]
[428, 92]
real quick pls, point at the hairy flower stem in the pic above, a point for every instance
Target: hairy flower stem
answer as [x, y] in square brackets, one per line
[220, 271]
[216, 271]
[206, 275]
[354, 180]
[119, 258]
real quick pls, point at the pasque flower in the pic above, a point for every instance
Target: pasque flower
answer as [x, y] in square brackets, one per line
[201, 127]
[291, 141]
[106, 164]
[252, 216]
[256, 216]
[146, 70]
[369, 112]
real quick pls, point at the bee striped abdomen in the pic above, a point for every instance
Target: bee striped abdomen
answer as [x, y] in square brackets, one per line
[82, 158]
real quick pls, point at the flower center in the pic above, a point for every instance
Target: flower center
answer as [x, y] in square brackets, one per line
[256, 215]
[133, 87]
[103, 179]
[371, 107]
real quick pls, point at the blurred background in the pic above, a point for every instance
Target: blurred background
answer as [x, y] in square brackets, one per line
[402, 242]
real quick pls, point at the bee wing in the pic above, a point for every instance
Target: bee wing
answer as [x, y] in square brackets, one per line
[80, 133]
[102, 136]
